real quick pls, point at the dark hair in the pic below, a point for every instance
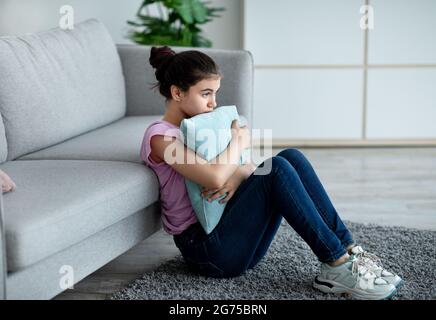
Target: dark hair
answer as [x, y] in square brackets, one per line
[183, 69]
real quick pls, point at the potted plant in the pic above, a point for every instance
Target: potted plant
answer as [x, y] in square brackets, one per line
[177, 24]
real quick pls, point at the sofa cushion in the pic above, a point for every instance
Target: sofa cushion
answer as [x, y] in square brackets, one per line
[58, 84]
[58, 203]
[118, 141]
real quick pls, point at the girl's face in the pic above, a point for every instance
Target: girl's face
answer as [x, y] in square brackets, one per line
[201, 97]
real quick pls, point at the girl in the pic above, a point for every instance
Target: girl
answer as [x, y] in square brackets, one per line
[256, 204]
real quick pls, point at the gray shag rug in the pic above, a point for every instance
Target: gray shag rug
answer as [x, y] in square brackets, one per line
[289, 267]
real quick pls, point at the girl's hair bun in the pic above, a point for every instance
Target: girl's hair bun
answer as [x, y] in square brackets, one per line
[159, 55]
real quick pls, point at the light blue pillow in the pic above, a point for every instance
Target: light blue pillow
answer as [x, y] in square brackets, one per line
[208, 144]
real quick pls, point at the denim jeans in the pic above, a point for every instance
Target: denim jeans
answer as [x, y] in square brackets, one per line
[253, 215]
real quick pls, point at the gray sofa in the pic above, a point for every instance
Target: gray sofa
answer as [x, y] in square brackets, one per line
[74, 107]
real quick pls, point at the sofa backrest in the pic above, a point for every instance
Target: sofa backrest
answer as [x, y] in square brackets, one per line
[58, 84]
[236, 86]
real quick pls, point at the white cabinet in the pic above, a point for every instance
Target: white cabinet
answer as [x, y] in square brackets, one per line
[303, 31]
[286, 103]
[319, 76]
[404, 32]
[401, 103]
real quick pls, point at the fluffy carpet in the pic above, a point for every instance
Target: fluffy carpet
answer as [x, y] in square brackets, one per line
[288, 269]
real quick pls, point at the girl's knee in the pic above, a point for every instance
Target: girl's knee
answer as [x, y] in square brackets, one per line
[276, 166]
[290, 153]
[280, 163]
[283, 169]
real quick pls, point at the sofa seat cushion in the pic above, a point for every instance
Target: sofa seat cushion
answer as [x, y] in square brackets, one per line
[118, 141]
[58, 203]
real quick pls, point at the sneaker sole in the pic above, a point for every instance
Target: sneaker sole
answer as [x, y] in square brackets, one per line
[399, 284]
[338, 289]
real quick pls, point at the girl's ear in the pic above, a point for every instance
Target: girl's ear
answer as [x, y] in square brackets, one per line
[176, 93]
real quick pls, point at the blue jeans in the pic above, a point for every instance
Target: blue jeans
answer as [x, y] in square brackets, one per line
[253, 215]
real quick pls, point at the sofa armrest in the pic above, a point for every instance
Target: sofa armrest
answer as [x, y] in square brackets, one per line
[236, 85]
[3, 265]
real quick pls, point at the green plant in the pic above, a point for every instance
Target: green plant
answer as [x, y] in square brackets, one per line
[176, 25]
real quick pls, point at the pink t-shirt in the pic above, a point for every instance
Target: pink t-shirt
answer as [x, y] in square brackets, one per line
[177, 211]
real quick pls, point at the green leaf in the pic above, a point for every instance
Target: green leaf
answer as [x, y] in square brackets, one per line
[184, 10]
[133, 23]
[192, 11]
[199, 11]
[172, 4]
[186, 36]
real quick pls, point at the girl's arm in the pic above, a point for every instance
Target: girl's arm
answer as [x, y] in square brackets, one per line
[231, 185]
[191, 166]
[246, 170]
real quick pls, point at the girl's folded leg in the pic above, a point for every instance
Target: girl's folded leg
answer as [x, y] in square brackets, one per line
[246, 226]
[318, 194]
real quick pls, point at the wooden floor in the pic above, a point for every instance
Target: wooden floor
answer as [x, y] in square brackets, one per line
[388, 186]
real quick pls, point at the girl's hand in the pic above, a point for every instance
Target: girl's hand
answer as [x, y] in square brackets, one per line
[229, 187]
[7, 183]
[242, 134]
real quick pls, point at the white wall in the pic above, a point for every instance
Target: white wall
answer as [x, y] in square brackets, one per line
[26, 16]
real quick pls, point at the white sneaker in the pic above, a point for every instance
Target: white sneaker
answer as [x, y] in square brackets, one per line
[353, 278]
[375, 266]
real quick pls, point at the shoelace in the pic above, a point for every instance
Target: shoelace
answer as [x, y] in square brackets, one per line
[375, 259]
[372, 260]
[362, 269]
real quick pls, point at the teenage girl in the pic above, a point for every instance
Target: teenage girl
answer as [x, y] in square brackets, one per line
[255, 203]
